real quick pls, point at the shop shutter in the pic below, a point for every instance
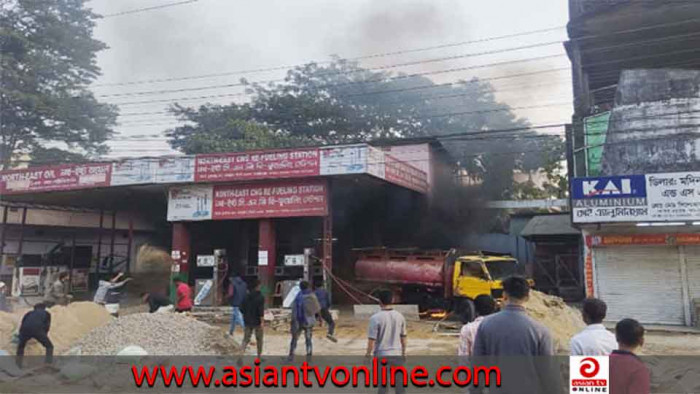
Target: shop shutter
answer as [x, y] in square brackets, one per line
[640, 282]
[692, 258]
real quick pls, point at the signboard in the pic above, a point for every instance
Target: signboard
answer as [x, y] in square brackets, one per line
[404, 174]
[375, 162]
[262, 257]
[133, 172]
[63, 177]
[206, 261]
[293, 260]
[175, 169]
[271, 199]
[257, 165]
[190, 203]
[344, 160]
[643, 239]
[637, 198]
[596, 129]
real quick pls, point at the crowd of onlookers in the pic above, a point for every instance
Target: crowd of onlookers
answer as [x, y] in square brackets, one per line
[508, 332]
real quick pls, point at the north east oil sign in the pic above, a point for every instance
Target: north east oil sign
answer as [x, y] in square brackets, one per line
[636, 198]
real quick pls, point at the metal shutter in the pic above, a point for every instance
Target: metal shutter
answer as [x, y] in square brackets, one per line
[640, 282]
[692, 259]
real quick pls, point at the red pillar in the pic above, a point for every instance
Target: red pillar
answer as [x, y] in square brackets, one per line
[181, 247]
[267, 244]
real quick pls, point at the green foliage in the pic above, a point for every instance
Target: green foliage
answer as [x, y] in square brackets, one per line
[48, 60]
[341, 102]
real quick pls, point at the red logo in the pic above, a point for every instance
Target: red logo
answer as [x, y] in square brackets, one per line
[589, 367]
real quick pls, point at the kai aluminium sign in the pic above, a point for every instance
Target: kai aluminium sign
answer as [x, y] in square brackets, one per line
[637, 198]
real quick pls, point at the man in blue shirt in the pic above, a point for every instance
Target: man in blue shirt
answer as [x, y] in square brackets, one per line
[325, 301]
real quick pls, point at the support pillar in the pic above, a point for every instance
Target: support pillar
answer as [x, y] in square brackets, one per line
[112, 235]
[267, 247]
[20, 247]
[129, 245]
[99, 251]
[181, 248]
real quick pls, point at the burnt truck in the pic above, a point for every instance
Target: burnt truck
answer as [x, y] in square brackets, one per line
[436, 279]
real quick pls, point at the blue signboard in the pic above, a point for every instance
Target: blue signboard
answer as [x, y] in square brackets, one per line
[629, 186]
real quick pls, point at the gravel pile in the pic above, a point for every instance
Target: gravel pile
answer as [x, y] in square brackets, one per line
[159, 334]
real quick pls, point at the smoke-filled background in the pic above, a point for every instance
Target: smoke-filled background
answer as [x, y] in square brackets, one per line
[206, 37]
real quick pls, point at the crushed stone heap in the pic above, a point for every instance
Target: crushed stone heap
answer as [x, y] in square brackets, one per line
[164, 334]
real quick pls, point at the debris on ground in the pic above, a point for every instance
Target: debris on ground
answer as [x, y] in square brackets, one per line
[158, 334]
[68, 324]
[562, 320]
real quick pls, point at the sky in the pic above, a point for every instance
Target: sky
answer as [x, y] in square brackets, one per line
[203, 37]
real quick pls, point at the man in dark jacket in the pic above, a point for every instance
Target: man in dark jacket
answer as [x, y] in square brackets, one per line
[155, 301]
[304, 311]
[237, 290]
[253, 309]
[35, 325]
[325, 301]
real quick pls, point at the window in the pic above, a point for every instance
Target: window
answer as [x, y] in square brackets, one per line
[473, 269]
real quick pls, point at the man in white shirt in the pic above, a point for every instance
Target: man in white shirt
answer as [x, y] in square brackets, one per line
[595, 339]
[484, 305]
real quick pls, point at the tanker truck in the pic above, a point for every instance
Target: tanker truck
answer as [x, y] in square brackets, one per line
[436, 279]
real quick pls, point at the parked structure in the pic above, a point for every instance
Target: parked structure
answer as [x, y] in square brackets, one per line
[257, 212]
[634, 156]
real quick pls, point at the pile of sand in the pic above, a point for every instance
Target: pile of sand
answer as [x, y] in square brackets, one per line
[562, 320]
[159, 334]
[68, 325]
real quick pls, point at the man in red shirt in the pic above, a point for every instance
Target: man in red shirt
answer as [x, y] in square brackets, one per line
[183, 294]
[628, 374]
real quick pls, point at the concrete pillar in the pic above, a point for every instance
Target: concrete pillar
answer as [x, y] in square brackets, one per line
[267, 246]
[181, 247]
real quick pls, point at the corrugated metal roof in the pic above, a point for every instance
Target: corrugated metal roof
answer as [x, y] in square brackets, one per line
[549, 225]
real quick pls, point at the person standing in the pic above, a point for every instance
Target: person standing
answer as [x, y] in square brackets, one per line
[35, 325]
[183, 295]
[157, 302]
[324, 301]
[628, 374]
[4, 306]
[104, 286]
[484, 306]
[253, 309]
[57, 292]
[304, 310]
[511, 332]
[386, 336]
[595, 339]
[237, 290]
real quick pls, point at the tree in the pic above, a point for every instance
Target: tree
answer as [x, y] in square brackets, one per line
[342, 102]
[48, 61]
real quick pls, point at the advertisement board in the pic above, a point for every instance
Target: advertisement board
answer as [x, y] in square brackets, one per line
[344, 160]
[190, 203]
[405, 175]
[257, 165]
[637, 198]
[56, 178]
[133, 172]
[271, 199]
[175, 169]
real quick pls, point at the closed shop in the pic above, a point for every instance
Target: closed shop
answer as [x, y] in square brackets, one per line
[642, 282]
[692, 258]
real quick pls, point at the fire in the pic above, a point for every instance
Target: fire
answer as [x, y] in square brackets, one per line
[438, 315]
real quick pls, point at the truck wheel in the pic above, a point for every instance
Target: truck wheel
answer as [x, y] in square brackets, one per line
[465, 310]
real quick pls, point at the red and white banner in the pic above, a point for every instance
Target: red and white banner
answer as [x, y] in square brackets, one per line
[55, 178]
[257, 165]
[644, 239]
[405, 175]
[271, 199]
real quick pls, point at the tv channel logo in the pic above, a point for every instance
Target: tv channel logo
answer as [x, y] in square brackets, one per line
[589, 374]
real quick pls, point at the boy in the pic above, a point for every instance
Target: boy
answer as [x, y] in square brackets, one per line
[595, 339]
[35, 325]
[628, 374]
